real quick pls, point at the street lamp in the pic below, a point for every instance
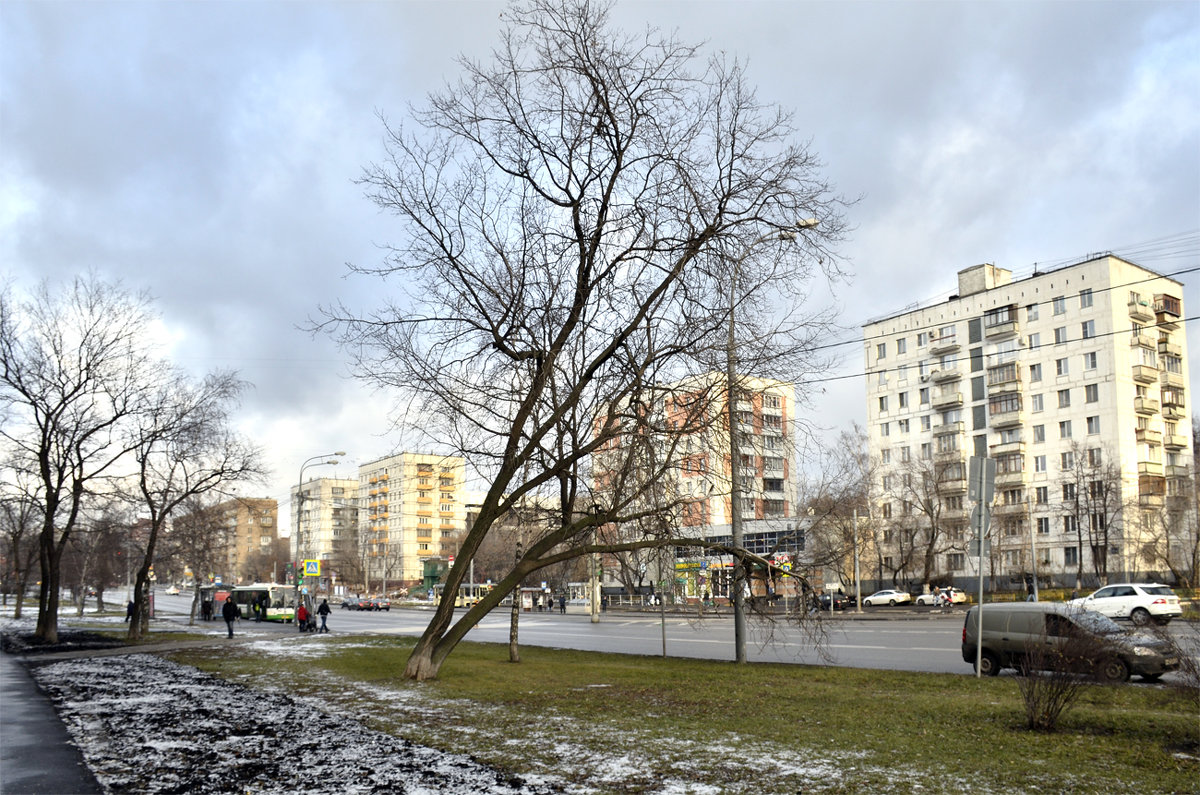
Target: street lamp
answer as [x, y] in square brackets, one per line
[301, 545]
[735, 512]
[595, 511]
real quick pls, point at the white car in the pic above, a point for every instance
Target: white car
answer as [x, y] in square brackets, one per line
[952, 596]
[172, 590]
[1139, 602]
[886, 598]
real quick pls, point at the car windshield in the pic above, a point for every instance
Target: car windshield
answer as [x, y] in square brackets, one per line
[1097, 623]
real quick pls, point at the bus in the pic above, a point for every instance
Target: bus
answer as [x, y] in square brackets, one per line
[468, 593]
[280, 600]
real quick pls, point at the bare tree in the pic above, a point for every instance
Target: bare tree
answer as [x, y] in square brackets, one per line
[1093, 501]
[75, 374]
[199, 541]
[19, 523]
[571, 212]
[185, 448]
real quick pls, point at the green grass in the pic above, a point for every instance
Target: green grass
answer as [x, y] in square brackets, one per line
[620, 723]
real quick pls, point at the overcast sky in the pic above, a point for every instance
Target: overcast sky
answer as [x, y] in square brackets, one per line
[206, 152]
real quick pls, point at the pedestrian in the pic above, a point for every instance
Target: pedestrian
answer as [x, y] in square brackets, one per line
[323, 612]
[604, 604]
[263, 602]
[302, 617]
[129, 611]
[230, 613]
[562, 605]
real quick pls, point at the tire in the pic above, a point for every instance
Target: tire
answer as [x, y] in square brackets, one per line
[891, 603]
[989, 664]
[1112, 671]
[1140, 616]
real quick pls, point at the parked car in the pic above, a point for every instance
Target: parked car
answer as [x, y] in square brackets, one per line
[1141, 603]
[886, 597]
[840, 601]
[951, 596]
[380, 603]
[354, 603]
[1017, 635]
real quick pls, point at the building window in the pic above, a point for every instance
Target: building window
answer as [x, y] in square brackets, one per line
[1042, 495]
[422, 520]
[881, 350]
[956, 561]
[1035, 341]
[1093, 456]
[1060, 305]
[1085, 298]
[1031, 312]
[1039, 433]
[1036, 403]
[1093, 425]
[1066, 461]
[903, 400]
[1089, 329]
[1004, 403]
[1062, 366]
[1064, 398]
[924, 395]
[1035, 372]
[1091, 393]
[1068, 492]
[1070, 524]
[1064, 429]
[884, 430]
[901, 346]
[922, 339]
[905, 455]
[1070, 554]
[883, 404]
[1039, 463]
[1060, 335]
[885, 455]
[926, 423]
[903, 425]
[1043, 525]
[926, 451]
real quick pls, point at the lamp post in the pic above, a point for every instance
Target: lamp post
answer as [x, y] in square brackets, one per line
[739, 583]
[301, 543]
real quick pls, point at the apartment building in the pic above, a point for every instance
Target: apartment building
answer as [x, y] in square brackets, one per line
[412, 509]
[700, 476]
[252, 543]
[1075, 381]
[326, 511]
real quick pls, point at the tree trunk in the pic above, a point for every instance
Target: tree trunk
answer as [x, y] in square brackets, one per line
[514, 652]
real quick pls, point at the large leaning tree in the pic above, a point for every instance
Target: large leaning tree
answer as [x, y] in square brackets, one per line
[580, 215]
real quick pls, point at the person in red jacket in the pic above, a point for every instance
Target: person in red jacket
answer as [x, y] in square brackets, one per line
[302, 617]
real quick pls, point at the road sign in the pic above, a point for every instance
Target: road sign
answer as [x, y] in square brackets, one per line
[981, 487]
[981, 519]
[973, 547]
[312, 568]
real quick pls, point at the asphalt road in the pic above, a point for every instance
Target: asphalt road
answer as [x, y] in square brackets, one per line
[909, 642]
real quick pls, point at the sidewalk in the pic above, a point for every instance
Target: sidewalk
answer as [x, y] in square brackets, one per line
[36, 753]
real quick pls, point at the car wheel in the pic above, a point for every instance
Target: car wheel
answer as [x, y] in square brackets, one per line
[1140, 616]
[1112, 670]
[891, 602]
[989, 664]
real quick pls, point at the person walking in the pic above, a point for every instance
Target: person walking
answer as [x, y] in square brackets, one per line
[302, 617]
[323, 612]
[562, 605]
[230, 613]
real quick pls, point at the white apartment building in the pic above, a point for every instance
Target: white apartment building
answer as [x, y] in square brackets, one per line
[326, 517]
[412, 509]
[1075, 381]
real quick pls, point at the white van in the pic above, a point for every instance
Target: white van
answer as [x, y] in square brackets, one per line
[1015, 634]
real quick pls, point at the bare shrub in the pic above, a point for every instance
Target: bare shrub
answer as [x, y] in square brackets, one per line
[1051, 672]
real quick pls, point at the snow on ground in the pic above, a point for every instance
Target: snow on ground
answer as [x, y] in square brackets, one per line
[148, 725]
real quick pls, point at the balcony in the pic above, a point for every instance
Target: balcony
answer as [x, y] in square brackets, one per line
[1150, 500]
[1145, 405]
[1150, 469]
[952, 485]
[999, 331]
[1009, 478]
[1167, 310]
[942, 345]
[1168, 348]
[1149, 435]
[1145, 374]
[945, 375]
[1174, 441]
[942, 456]
[1169, 379]
[1173, 409]
[947, 400]
[948, 428]
[1005, 378]
[1141, 311]
[1002, 419]
[1177, 471]
[1006, 447]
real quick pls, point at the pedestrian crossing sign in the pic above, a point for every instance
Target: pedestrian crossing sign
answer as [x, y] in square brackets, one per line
[312, 568]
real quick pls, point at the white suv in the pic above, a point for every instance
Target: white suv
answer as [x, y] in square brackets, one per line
[1139, 602]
